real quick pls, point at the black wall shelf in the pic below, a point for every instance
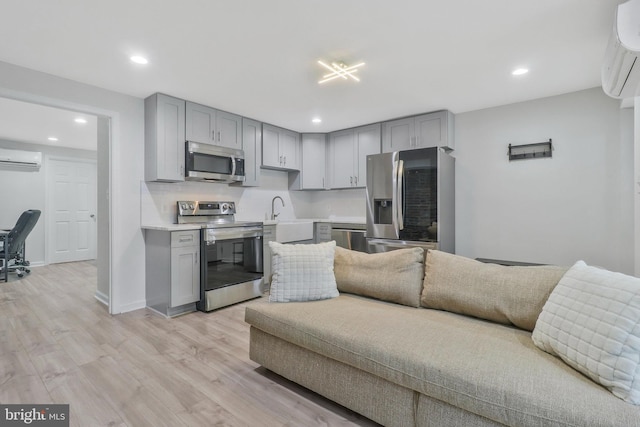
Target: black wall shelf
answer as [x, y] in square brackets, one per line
[539, 150]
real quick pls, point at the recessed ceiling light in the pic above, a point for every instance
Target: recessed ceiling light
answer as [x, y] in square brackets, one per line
[519, 71]
[139, 59]
[52, 138]
[316, 120]
[80, 120]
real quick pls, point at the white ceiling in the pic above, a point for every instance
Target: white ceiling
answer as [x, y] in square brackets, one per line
[259, 58]
[34, 124]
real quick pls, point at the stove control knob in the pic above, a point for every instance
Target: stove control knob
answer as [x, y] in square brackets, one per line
[191, 206]
[224, 207]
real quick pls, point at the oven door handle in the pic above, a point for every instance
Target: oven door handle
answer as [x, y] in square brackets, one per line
[222, 234]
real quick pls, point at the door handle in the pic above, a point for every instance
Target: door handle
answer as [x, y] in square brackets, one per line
[92, 216]
[400, 195]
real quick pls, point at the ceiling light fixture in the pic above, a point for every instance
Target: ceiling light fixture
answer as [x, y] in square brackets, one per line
[316, 120]
[519, 71]
[340, 70]
[139, 59]
[80, 120]
[52, 138]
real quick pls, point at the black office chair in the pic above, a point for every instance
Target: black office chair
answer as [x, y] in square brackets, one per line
[12, 249]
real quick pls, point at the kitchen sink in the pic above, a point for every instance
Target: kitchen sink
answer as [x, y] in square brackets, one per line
[294, 231]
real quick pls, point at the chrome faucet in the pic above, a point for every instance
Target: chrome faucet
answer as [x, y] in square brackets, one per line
[273, 214]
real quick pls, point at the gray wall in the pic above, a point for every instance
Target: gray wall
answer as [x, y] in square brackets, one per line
[126, 156]
[576, 205]
[104, 234]
[22, 190]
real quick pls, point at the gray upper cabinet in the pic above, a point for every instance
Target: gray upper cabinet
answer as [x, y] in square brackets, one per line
[348, 151]
[313, 169]
[252, 146]
[280, 148]
[210, 126]
[164, 138]
[427, 130]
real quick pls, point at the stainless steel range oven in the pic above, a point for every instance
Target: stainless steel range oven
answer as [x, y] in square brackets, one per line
[231, 253]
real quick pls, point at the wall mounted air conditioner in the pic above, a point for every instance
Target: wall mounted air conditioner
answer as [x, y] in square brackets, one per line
[20, 160]
[621, 67]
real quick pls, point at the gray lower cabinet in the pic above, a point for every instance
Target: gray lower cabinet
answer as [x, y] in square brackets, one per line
[172, 270]
[164, 138]
[321, 232]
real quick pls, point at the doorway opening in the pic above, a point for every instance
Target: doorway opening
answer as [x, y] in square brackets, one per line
[71, 187]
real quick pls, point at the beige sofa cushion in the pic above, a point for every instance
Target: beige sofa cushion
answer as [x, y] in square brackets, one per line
[482, 367]
[508, 295]
[394, 276]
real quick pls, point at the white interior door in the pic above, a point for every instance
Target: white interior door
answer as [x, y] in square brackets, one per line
[72, 210]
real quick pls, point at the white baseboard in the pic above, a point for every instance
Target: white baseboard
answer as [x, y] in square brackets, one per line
[102, 297]
[130, 307]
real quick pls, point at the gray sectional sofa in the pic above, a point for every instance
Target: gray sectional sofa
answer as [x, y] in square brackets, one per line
[454, 350]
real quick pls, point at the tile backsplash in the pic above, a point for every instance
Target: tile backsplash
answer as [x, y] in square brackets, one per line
[158, 200]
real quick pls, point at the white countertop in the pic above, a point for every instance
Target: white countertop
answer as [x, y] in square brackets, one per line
[185, 227]
[341, 220]
[172, 227]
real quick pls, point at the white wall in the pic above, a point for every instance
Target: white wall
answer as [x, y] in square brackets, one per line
[127, 159]
[576, 205]
[25, 189]
[349, 203]
[158, 200]
[636, 185]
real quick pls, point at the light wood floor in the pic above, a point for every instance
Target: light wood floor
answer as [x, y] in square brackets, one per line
[59, 345]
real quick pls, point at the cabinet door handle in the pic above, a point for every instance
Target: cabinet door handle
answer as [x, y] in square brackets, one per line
[195, 260]
[285, 160]
[213, 135]
[350, 180]
[219, 136]
[280, 161]
[356, 179]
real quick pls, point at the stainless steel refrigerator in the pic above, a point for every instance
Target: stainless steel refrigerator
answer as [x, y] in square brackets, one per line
[411, 200]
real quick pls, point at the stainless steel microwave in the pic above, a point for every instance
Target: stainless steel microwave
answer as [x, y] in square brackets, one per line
[206, 162]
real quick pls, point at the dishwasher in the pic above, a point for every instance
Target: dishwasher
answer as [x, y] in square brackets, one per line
[349, 236]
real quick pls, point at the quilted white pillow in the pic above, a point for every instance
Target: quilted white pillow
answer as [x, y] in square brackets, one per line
[592, 322]
[302, 272]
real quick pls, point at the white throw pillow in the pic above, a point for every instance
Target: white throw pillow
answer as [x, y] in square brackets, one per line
[592, 322]
[302, 272]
